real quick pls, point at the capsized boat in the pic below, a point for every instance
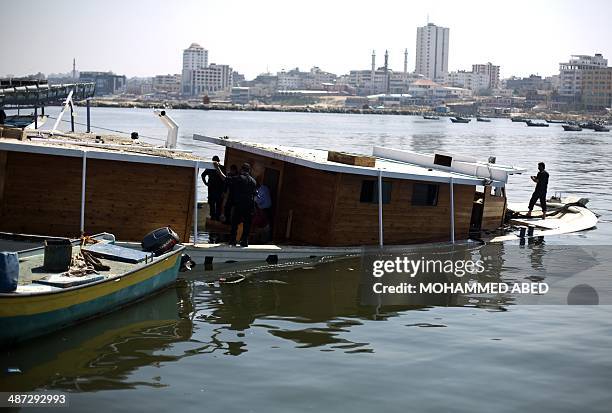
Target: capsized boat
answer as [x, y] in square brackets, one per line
[563, 216]
[102, 277]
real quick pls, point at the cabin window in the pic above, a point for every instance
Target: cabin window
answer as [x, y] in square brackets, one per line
[369, 192]
[425, 194]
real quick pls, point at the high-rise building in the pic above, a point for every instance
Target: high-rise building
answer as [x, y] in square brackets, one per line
[195, 57]
[490, 71]
[432, 51]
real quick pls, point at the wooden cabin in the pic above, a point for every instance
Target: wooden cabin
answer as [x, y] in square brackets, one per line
[324, 198]
[70, 184]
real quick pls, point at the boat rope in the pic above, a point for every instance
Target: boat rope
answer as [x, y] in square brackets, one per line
[110, 130]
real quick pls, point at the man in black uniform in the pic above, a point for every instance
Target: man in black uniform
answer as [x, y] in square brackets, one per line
[244, 189]
[229, 201]
[541, 180]
[215, 189]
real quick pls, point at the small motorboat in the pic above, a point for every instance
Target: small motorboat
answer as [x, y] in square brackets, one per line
[480, 119]
[572, 128]
[519, 119]
[459, 119]
[431, 117]
[63, 282]
[536, 124]
[555, 121]
[600, 128]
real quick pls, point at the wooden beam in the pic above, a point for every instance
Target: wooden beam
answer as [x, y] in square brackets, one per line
[351, 159]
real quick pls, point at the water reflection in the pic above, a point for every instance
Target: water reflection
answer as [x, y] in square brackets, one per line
[102, 353]
[313, 307]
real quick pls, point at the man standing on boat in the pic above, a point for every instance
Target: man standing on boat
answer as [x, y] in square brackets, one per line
[215, 190]
[229, 199]
[541, 180]
[245, 190]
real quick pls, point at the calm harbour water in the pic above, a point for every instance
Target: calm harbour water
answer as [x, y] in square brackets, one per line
[298, 340]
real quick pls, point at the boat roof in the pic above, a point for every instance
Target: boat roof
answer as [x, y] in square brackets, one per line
[114, 148]
[390, 163]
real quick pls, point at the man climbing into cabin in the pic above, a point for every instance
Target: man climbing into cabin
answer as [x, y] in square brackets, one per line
[216, 187]
[541, 180]
[245, 190]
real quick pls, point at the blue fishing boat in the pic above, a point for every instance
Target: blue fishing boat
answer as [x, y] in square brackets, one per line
[101, 277]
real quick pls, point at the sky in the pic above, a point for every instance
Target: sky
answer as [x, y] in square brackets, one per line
[145, 38]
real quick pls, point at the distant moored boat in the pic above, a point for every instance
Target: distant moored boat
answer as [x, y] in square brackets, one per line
[537, 124]
[459, 119]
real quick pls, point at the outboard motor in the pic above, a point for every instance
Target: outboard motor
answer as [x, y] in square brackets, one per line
[160, 241]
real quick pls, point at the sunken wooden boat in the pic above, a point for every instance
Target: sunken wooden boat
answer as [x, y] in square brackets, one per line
[329, 203]
[47, 300]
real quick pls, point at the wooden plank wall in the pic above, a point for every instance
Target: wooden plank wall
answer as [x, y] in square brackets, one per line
[356, 223]
[308, 196]
[325, 209]
[42, 195]
[494, 209]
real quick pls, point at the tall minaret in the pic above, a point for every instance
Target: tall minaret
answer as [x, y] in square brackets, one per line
[73, 68]
[386, 60]
[405, 60]
[387, 71]
[373, 67]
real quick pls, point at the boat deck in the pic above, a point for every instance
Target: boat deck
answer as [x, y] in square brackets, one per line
[34, 278]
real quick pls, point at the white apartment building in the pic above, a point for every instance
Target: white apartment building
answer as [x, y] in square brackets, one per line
[291, 80]
[195, 57]
[312, 80]
[571, 73]
[212, 79]
[368, 82]
[468, 80]
[491, 71]
[432, 51]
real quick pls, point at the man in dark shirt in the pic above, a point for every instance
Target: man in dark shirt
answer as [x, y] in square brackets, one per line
[244, 189]
[229, 201]
[216, 188]
[541, 180]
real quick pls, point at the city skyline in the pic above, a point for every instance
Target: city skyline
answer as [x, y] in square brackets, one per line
[145, 38]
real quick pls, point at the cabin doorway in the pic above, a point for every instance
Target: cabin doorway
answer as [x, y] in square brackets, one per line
[271, 179]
